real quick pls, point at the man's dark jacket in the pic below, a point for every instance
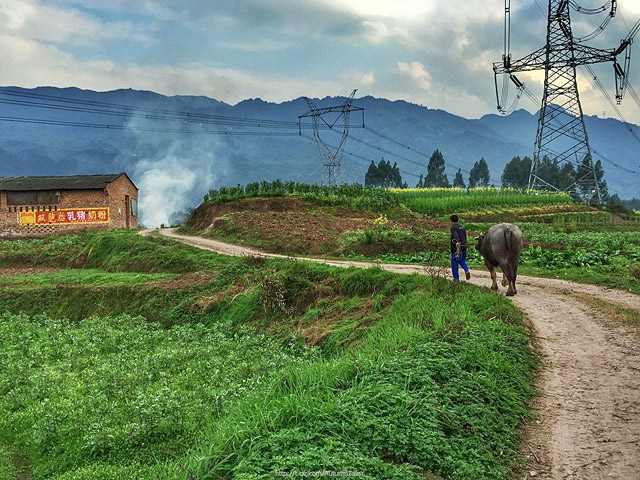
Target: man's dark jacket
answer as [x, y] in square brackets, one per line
[458, 234]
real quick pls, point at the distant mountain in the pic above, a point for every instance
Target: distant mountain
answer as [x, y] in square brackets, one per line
[174, 170]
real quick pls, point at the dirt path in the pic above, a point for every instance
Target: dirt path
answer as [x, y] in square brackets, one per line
[587, 423]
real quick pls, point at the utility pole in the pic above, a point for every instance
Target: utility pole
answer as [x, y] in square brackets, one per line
[562, 134]
[326, 119]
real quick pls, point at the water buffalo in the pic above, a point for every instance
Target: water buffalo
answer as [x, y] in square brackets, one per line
[501, 246]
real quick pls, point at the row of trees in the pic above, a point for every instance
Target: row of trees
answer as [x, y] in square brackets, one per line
[563, 176]
[384, 175]
[515, 174]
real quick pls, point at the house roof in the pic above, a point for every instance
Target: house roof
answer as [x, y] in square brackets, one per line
[75, 182]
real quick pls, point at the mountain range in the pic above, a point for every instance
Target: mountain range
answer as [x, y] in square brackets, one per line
[175, 161]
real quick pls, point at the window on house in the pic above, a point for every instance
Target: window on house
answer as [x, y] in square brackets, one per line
[134, 207]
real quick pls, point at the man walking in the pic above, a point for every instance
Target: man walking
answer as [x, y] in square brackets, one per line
[458, 248]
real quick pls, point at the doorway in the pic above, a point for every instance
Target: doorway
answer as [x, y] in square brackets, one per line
[127, 211]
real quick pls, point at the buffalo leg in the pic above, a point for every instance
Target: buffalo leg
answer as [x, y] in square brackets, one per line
[494, 282]
[505, 281]
[508, 273]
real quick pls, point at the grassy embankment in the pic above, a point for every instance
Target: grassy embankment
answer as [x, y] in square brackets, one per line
[562, 239]
[237, 367]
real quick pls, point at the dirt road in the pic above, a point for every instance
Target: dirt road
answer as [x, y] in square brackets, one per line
[587, 423]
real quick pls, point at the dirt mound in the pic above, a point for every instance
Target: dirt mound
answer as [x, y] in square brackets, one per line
[204, 216]
[289, 225]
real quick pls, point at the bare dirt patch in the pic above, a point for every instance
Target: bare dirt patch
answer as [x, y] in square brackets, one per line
[4, 272]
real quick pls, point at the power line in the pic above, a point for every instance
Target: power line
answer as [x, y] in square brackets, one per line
[63, 123]
[614, 163]
[360, 157]
[114, 108]
[404, 146]
[608, 98]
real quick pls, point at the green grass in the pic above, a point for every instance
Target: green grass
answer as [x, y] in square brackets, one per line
[410, 374]
[80, 277]
[119, 251]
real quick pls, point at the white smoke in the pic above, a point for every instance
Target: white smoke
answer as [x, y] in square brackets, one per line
[174, 178]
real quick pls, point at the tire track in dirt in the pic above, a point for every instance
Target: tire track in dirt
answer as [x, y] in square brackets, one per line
[587, 411]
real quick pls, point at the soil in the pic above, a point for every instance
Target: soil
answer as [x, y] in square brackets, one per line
[287, 225]
[587, 412]
[24, 271]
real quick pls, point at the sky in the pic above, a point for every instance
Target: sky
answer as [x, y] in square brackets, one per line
[436, 53]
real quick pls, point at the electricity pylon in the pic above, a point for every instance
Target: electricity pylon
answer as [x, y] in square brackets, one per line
[562, 134]
[327, 118]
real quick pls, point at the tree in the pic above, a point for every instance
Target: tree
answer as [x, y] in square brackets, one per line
[383, 175]
[371, 177]
[420, 183]
[435, 172]
[479, 176]
[458, 181]
[396, 178]
[516, 173]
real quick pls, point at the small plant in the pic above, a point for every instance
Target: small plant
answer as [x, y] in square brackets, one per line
[381, 222]
[272, 296]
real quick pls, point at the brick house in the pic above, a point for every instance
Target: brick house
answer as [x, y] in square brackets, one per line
[45, 205]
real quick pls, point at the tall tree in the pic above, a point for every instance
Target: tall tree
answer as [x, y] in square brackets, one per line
[458, 181]
[435, 172]
[383, 175]
[396, 178]
[371, 177]
[420, 183]
[479, 176]
[516, 173]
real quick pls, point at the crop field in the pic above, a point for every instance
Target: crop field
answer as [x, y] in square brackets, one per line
[444, 201]
[204, 366]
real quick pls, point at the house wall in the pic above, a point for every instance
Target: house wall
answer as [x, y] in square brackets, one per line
[116, 191]
[112, 197]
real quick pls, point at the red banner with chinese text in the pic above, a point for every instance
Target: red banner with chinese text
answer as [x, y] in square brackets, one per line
[66, 216]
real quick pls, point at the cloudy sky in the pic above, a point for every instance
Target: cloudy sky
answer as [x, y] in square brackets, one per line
[436, 53]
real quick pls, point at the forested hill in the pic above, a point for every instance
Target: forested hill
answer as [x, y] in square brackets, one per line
[167, 164]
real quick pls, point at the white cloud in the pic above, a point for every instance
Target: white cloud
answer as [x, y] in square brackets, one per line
[418, 74]
[35, 20]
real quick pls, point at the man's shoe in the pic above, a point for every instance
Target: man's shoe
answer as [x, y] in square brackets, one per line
[468, 275]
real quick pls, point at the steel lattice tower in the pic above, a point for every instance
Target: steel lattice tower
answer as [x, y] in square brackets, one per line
[562, 134]
[327, 118]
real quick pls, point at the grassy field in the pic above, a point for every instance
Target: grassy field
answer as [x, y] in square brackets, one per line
[203, 366]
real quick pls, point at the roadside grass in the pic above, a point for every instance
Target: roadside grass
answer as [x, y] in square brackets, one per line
[409, 375]
[610, 310]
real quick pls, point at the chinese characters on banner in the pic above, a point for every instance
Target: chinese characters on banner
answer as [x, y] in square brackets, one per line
[66, 216]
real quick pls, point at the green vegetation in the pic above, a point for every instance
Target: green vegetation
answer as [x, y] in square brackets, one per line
[252, 366]
[444, 201]
[354, 196]
[7, 470]
[120, 251]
